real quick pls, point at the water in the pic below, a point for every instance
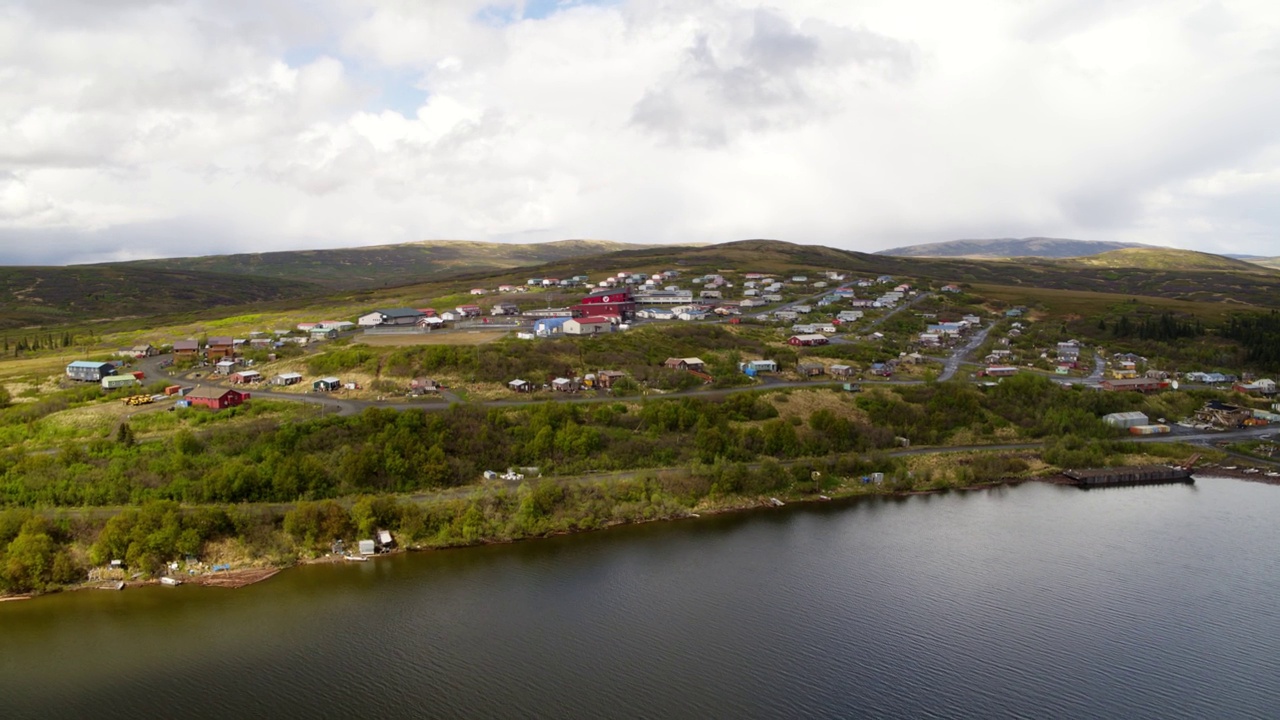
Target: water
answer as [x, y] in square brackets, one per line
[1036, 601]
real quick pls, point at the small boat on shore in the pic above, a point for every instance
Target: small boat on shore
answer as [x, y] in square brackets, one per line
[776, 502]
[117, 585]
[355, 558]
[170, 581]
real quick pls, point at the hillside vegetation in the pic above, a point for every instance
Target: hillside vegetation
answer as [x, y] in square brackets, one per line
[1009, 248]
[385, 265]
[53, 296]
[1162, 259]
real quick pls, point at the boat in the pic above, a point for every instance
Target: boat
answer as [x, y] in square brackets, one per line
[355, 558]
[170, 581]
[117, 585]
[776, 502]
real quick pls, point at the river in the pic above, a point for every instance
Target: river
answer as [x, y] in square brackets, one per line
[1033, 601]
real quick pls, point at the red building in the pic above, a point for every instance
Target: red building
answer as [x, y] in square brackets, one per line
[607, 303]
[217, 398]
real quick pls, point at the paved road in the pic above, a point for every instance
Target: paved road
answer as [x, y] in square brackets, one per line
[953, 363]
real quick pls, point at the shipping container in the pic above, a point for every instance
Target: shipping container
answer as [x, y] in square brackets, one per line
[1149, 429]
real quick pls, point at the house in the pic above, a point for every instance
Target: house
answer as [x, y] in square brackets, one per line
[225, 367]
[338, 325]
[506, 288]
[841, 371]
[694, 364]
[185, 349]
[467, 311]
[389, 317]
[423, 385]
[522, 386]
[950, 288]
[505, 309]
[287, 379]
[564, 384]
[1000, 371]
[115, 382]
[587, 326]
[220, 346]
[607, 378]
[755, 367]
[322, 333]
[1207, 378]
[90, 370]
[138, 351]
[326, 384]
[430, 323]
[807, 340]
[1260, 387]
[478, 291]
[246, 376]
[810, 368]
[216, 398]
[849, 315]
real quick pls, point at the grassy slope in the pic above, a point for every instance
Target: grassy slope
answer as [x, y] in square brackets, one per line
[58, 296]
[385, 265]
[1162, 259]
[1008, 248]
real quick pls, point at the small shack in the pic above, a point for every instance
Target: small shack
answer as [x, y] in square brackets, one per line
[520, 386]
[114, 382]
[841, 371]
[326, 384]
[810, 368]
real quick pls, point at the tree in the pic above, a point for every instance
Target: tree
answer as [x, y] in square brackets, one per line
[29, 562]
[124, 435]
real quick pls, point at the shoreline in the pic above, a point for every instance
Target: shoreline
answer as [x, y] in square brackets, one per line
[245, 577]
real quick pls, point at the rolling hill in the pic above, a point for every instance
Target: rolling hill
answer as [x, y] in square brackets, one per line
[1009, 248]
[384, 265]
[44, 296]
[1162, 259]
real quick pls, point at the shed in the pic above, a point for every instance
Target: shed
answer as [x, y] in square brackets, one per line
[520, 385]
[113, 382]
[287, 379]
[224, 367]
[1126, 419]
[326, 384]
[368, 547]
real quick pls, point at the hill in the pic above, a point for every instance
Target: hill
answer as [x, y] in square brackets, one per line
[1161, 259]
[67, 295]
[384, 265]
[1267, 262]
[1009, 248]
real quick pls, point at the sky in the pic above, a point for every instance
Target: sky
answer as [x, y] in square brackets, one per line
[145, 128]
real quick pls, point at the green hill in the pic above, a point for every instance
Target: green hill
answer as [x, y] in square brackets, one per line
[44, 296]
[1273, 263]
[1162, 259]
[385, 265]
[996, 249]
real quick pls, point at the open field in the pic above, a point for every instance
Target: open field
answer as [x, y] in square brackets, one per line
[458, 337]
[1089, 304]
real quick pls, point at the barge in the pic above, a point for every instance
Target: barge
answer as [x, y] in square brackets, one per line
[1141, 475]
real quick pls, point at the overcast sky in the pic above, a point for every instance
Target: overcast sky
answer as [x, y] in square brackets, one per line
[131, 128]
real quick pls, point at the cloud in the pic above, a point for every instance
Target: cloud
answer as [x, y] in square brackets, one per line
[135, 128]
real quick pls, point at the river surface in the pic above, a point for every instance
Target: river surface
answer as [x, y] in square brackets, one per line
[1035, 602]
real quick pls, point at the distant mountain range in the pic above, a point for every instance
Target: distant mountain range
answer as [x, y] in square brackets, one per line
[1010, 248]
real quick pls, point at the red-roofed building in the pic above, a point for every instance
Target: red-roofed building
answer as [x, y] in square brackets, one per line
[607, 303]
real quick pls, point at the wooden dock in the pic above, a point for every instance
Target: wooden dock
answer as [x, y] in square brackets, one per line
[1141, 475]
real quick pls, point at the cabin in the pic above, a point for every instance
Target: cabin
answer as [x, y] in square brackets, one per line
[755, 367]
[694, 364]
[607, 378]
[216, 398]
[809, 368]
[326, 384]
[564, 384]
[287, 379]
[90, 370]
[245, 376]
[185, 349]
[842, 371]
[520, 386]
[225, 367]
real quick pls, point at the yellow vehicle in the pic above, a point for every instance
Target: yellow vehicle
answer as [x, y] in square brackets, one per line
[138, 400]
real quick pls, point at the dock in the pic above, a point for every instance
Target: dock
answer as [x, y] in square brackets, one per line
[1141, 475]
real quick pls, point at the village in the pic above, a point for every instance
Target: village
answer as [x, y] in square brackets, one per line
[787, 328]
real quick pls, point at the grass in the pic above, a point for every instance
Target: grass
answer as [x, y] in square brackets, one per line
[468, 337]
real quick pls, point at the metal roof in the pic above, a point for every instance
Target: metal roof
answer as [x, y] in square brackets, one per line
[89, 364]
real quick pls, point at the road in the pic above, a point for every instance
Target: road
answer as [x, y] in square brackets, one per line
[953, 363]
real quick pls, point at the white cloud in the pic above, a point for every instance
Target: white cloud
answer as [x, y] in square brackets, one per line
[272, 125]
